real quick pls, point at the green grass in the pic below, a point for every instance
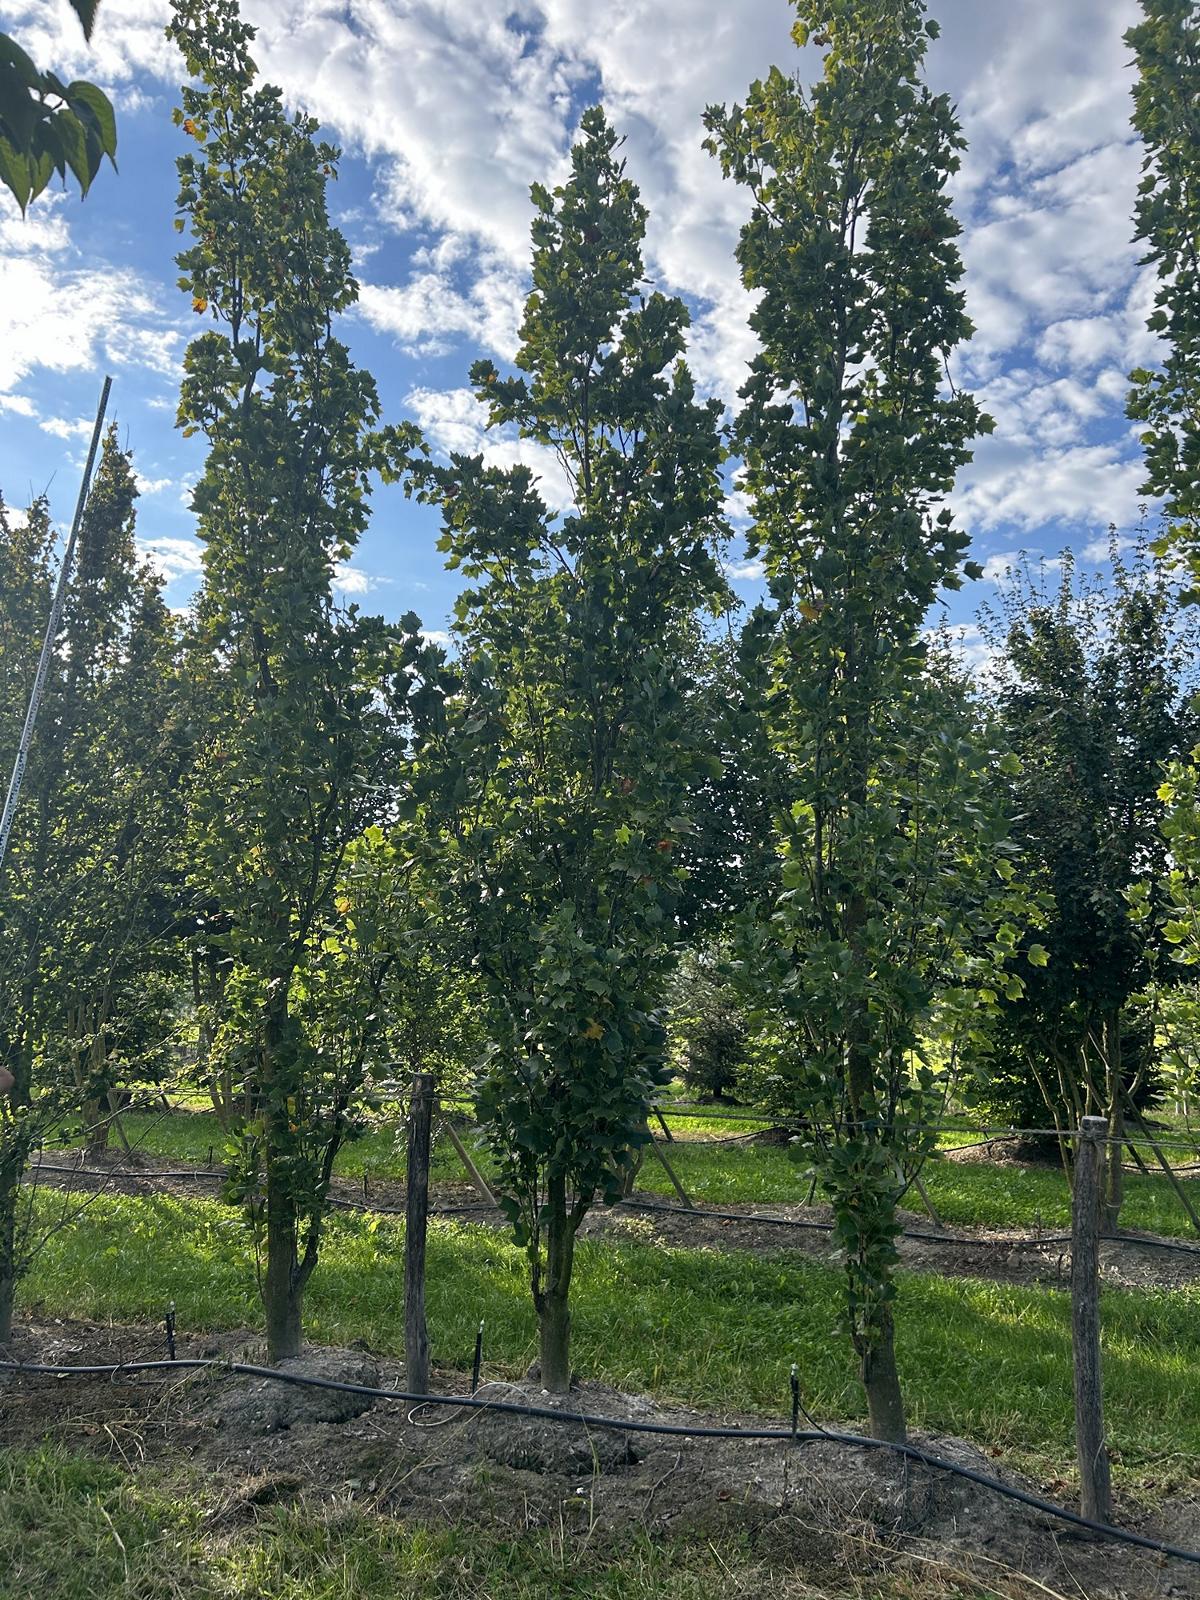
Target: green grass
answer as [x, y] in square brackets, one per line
[716, 1329]
[72, 1528]
[965, 1193]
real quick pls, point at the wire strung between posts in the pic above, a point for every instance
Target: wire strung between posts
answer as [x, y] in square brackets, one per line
[585, 1419]
[694, 1214]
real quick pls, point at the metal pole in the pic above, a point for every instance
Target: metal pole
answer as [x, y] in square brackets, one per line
[52, 627]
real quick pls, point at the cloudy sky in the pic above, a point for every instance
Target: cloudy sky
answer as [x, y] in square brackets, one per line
[449, 109]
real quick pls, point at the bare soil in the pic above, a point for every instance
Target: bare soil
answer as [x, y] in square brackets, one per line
[824, 1512]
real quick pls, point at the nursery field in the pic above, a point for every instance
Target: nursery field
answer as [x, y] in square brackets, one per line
[118, 1488]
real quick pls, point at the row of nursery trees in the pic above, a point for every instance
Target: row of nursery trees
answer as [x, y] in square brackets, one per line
[322, 845]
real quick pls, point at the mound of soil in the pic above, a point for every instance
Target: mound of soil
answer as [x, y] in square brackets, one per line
[826, 1512]
[263, 1405]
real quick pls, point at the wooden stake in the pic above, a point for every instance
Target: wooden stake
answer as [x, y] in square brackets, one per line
[416, 1219]
[919, 1186]
[464, 1155]
[1095, 1491]
[1166, 1166]
[679, 1189]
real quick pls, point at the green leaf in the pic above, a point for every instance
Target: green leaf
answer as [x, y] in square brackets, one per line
[90, 103]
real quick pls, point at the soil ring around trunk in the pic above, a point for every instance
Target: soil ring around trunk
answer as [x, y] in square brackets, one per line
[820, 1513]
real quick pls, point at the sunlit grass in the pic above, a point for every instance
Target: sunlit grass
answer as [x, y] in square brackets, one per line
[714, 1329]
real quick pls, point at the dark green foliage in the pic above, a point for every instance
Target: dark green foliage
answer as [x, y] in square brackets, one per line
[706, 1024]
[1092, 690]
[886, 922]
[86, 896]
[569, 754]
[1166, 114]
[299, 709]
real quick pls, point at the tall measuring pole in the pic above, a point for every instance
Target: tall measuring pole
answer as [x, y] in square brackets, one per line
[52, 627]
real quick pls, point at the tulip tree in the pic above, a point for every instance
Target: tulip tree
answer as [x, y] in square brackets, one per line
[299, 707]
[1166, 399]
[884, 926]
[575, 759]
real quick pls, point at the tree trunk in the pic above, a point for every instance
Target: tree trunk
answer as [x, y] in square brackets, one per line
[10, 1190]
[1114, 1184]
[283, 1283]
[97, 1121]
[552, 1292]
[283, 1292]
[877, 1369]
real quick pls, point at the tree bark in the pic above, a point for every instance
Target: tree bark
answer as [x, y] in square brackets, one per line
[283, 1283]
[283, 1291]
[877, 1369]
[9, 1193]
[1114, 1184]
[552, 1292]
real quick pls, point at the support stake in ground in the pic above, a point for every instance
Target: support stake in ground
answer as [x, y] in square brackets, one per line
[1095, 1490]
[416, 1219]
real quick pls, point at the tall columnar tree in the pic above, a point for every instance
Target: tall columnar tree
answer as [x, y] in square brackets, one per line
[1167, 217]
[575, 757]
[884, 923]
[299, 706]
[1091, 687]
[86, 908]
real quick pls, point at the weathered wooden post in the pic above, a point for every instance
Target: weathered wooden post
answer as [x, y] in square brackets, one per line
[1095, 1490]
[416, 1219]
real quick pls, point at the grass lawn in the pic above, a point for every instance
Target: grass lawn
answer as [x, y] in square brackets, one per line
[719, 1330]
[970, 1194]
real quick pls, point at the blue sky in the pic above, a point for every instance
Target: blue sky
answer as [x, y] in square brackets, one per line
[449, 109]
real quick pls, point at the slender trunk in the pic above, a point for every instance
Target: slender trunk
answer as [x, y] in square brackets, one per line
[10, 1190]
[1114, 1178]
[97, 1121]
[877, 1369]
[283, 1293]
[283, 1282]
[552, 1291]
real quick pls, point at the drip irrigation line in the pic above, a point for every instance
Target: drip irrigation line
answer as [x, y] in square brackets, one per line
[694, 1214]
[619, 1425]
[697, 1214]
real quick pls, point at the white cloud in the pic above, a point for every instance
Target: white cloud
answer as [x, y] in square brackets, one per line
[1001, 565]
[459, 104]
[1008, 485]
[1103, 547]
[60, 314]
[454, 421]
[173, 558]
[348, 579]
[744, 571]
[80, 428]
[152, 485]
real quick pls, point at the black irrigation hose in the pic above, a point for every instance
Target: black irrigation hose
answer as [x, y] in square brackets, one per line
[619, 1425]
[694, 1214]
[697, 1213]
